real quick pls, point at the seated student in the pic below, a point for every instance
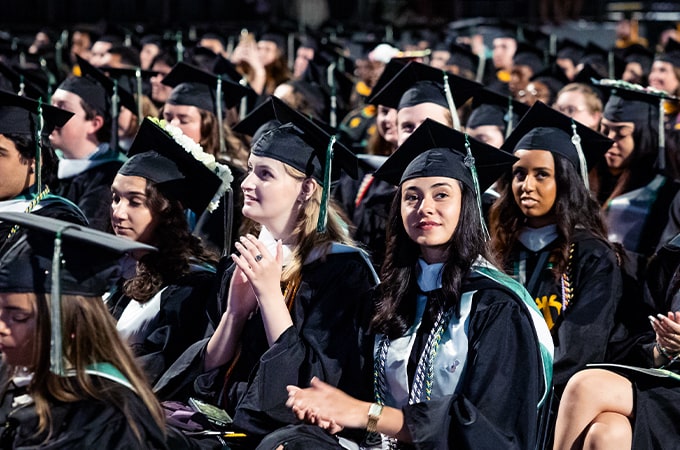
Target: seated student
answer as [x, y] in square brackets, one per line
[161, 298]
[70, 382]
[293, 303]
[87, 163]
[27, 170]
[462, 356]
[547, 230]
[621, 407]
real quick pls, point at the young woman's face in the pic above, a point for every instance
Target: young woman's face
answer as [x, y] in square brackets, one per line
[271, 196]
[662, 76]
[159, 91]
[17, 327]
[186, 118]
[489, 134]
[624, 144]
[386, 120]
[534, 186]
[430, 211]
[131, 217]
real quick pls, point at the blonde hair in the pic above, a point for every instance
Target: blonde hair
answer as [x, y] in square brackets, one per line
[592, 100]
[90, 336]
[305, 236]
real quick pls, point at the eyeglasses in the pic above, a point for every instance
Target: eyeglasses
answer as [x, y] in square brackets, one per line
[615, 132]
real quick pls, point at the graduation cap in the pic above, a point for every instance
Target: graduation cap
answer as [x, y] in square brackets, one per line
[463, 58]
[21, 115]
[179, 166]
[334, 81]
[599, 57]
[195, 87]
[553, 77]
[671, 53]
[544, 128]
[18, 83]
[132, 80]
[57, 257]
[643, 106]
[497, 29]
[418, 83]
[391, 69]
[529, 55]
[303, 145]
[639, 54]
[571, 50]
[492, 108]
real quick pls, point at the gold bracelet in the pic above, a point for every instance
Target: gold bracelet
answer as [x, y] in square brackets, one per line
[374, 412]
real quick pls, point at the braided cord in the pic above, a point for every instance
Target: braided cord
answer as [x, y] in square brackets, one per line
[30, 208]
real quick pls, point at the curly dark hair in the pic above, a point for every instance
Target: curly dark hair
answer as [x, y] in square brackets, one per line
[26, 147]
[574, 208]
[177, 247]
[395, 310]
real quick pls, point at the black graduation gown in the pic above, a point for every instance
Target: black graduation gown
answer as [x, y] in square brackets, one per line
[370, 216]
[91, 191]
[86, 424]
[583, 330]
[495, 406]
[329, 314]
[182, 321]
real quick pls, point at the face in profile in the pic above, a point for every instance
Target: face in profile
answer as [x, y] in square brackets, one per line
[18, 328]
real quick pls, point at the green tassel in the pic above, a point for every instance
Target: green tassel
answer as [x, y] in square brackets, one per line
[470, 163]
[38, 147]
[323, 209]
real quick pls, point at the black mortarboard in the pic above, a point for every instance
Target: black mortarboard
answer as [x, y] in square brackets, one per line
[529, 55]
[135, 81]
[417, 83]
[391, 69]
[19, 115]
[571, 50]
[178, 173]
[302, 146]
[502, 29]
[435, 150]
[631, 105]
[492, 108]
[57, 257]
[601, 58]
[553, 77]
[463, 58]
[639, 54]
[195, 87]
[276, 38]
[18, 82]
[671, 53]
[544, 128]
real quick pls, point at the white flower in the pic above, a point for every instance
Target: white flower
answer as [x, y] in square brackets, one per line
[194, 149]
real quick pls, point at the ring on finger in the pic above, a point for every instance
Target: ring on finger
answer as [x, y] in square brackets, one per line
[258, 257]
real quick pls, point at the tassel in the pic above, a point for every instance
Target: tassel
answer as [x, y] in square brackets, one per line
[470, 164]
[38, 147]
[452, 105]
[325, 193]
[56, 347]
[576, 140]
[138, 78]
[115, 110]
[508, 118]
[662, 136]
[218, 109]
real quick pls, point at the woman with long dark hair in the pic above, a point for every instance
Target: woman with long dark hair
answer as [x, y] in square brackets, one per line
[548, 233]
[161, 299]
[446, 320]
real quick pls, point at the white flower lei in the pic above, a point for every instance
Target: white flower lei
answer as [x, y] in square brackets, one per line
[194, 149]
[635, 87]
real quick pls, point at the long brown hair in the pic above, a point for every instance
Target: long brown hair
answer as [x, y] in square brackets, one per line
[236, 150]
[90, 336]
[177, 246]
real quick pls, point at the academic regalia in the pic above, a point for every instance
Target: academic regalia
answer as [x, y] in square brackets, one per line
[82, 424]
[329, 307]
[579, 307]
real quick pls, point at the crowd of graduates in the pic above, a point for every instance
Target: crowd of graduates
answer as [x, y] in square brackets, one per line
[455, 238]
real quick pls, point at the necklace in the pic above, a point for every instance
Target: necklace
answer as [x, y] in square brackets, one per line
[31, 206]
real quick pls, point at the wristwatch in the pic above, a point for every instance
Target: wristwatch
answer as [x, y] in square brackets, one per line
[374, 412]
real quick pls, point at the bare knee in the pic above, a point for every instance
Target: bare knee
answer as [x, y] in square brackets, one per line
[609, 431]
